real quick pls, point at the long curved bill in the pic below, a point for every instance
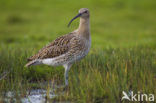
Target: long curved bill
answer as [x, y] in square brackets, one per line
[78, 15]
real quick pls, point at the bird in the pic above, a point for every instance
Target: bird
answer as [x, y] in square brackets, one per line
[66, 49]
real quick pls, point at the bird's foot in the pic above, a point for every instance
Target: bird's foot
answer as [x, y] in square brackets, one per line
[66, 88]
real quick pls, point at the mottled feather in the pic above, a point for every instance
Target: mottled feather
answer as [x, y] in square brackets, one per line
[56, 48]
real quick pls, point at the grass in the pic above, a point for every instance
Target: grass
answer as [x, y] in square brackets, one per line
[111, 73]
[122, 56]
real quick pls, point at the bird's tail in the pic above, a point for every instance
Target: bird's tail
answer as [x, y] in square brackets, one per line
[34, 62]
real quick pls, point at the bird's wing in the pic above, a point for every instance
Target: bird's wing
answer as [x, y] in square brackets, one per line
[56, 48]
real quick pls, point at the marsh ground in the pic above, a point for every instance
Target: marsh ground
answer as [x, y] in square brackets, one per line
[122, 56]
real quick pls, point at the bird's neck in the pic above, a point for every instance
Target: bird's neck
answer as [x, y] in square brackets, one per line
[84, 27]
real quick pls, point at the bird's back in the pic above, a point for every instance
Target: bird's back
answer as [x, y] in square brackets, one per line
[56, 48]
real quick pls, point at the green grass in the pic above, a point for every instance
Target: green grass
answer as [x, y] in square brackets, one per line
[122, 56]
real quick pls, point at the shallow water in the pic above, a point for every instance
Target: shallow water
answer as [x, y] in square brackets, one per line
[33, 96]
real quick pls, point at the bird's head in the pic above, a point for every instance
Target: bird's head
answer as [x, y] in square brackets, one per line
[83, 13]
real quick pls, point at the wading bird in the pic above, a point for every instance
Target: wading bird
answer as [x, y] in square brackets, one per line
[67, 49]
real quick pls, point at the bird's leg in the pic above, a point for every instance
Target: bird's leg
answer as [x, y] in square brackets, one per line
[67, 67]
[66, 77]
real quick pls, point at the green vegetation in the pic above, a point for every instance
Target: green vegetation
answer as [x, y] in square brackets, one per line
[122, 56]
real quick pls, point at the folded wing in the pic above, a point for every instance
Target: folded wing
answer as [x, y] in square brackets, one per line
[56, 48]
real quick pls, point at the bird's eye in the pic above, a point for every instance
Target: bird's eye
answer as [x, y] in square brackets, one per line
[85, 12]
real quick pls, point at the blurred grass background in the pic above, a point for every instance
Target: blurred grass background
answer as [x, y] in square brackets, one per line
[114, 23]
[126, 27]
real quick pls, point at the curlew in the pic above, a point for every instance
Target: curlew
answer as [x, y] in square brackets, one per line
[67, 49]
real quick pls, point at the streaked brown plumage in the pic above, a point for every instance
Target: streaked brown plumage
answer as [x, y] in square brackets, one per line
[66, 49]
[56, 48]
